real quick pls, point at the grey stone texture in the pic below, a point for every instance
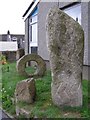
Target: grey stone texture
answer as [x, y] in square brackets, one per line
[20, 53]
[41, 66]
[25, 91]
[65, 39]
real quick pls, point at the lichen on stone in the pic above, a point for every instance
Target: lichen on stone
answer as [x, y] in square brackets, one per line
[65, 38]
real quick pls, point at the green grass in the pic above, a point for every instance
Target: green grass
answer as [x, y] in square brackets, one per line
[43, 106]
[9, 81]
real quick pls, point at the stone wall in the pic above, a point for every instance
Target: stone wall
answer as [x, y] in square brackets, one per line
[19, 53]
[10, 55]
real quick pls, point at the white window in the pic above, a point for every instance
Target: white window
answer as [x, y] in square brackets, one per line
[34, 33]
[74, 12]
[34, 19]
[33, 30]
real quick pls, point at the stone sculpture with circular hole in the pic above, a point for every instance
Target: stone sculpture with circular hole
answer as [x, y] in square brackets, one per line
[21, 63]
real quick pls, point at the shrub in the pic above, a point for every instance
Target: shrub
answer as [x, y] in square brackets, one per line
[2, 59]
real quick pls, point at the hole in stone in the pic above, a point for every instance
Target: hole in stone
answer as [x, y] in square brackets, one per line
[31, 67]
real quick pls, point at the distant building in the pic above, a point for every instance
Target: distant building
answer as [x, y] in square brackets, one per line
[10, 44]
[35, 32]
[13, 39]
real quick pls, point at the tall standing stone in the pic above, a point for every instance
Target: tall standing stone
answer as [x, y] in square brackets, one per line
[65, 39]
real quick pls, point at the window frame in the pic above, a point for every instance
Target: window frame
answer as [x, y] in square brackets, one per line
[30, 26]
[71, 6]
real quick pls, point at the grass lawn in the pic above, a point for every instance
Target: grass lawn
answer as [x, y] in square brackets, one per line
[43, 106]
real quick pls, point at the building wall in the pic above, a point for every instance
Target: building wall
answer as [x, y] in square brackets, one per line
[86, 73]
[43, 8]
[8, 46]
[63, 4]
[14, 37]
[89, 33]
[4, 37]
[26, 36]
[84, 23]
[0, 37]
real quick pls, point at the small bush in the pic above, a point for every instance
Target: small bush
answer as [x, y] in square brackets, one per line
[2, 59]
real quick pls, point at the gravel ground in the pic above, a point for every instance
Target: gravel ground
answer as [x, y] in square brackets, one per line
[3, 115]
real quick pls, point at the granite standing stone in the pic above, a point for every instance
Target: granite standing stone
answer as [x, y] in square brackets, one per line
[65, 39]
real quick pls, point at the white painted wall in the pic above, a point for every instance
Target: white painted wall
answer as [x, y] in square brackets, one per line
[8, 46]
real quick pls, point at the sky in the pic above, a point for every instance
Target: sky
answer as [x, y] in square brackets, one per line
[11, 12]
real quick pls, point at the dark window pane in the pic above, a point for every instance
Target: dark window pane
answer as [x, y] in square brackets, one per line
[34, 49]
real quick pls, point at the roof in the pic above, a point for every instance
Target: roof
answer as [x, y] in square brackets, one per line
[3, 37]
[30, 9]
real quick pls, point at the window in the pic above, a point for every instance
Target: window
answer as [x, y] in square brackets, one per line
[33, 32]
[34, 49]
[14, 38]
[34, 19]
[75, 12]
[33, 26]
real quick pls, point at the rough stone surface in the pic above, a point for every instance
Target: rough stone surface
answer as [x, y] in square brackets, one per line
[41, 66]
[20, 53]
[25, 91]
[65, 39]
[21, 111]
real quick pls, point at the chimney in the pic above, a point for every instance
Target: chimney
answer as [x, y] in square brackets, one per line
[8, 36]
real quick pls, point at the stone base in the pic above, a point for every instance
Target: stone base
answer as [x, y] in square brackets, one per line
[67, 94]
[26, 112]
[21, 111]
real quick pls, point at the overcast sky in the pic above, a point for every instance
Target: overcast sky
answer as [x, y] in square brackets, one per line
[11, 12]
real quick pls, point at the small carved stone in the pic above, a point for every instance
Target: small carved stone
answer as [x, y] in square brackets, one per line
[25, 91]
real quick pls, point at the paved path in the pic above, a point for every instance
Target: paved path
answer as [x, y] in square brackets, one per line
[3, 115]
